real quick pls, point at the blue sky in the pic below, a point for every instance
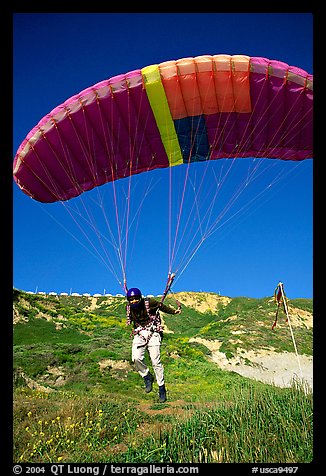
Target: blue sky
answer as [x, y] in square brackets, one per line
[56, 55]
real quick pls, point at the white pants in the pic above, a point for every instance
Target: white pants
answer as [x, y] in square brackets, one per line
[143, 341]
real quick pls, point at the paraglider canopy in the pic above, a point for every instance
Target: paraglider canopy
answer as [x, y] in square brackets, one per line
[193, 109]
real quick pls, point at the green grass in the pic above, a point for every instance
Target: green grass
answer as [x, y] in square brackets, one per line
[41, 330]
[254, 424]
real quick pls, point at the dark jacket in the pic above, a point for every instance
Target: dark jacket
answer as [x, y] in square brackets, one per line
[139, 316]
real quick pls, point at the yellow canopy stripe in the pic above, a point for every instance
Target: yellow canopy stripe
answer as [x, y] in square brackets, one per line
[160, 107]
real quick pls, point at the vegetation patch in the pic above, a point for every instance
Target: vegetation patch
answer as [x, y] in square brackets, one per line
[77, 397]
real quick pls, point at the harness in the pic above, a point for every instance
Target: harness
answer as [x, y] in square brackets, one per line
[153, 325]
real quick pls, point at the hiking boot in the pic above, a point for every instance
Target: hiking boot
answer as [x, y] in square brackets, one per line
[148, 379]
[162, 393]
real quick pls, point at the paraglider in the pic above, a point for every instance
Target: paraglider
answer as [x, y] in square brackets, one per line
[195, 109]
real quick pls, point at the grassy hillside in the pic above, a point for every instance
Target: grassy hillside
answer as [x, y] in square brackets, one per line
[78, 399]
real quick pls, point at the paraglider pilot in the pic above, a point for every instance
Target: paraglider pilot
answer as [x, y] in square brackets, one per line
[143, 314]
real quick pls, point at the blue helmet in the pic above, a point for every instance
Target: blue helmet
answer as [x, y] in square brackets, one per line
[133, 293]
